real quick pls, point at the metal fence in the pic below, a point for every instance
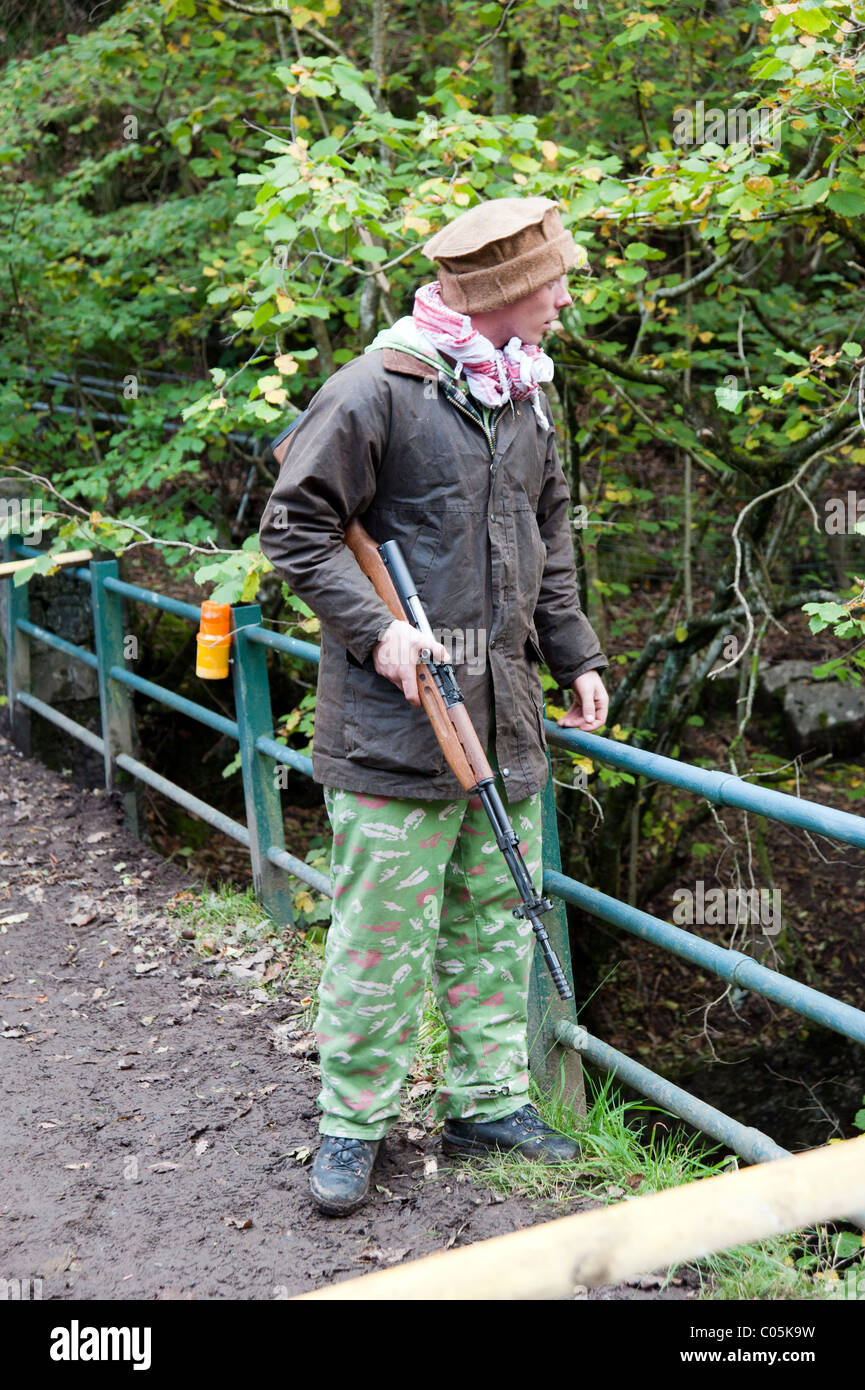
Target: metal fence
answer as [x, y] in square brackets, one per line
[554, 1032]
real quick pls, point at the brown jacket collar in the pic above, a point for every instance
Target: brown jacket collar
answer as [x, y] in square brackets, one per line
[395, 361]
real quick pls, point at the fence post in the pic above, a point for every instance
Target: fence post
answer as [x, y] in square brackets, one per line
[260, 787]
[17, 655]
[548, 1060]
[116, 709]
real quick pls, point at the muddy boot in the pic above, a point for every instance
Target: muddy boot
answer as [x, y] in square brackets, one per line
[340, 1175]
[523, 1132]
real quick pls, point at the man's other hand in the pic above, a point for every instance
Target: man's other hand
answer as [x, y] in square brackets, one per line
[396, 656]
[589, 706]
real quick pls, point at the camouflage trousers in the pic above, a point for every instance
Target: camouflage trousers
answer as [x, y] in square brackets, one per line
[420, 888]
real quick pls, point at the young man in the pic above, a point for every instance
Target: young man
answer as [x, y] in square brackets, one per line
[438, 437]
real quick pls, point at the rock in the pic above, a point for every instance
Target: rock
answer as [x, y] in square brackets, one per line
[825, 715]
[773, 678]
[821, 715]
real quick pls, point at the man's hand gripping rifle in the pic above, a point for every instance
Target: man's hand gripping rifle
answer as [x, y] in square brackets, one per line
[443, 702]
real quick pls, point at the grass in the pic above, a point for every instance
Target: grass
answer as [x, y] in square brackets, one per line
[812, 1264]
[227, 923]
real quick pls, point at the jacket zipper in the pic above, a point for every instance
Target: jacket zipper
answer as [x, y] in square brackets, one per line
[490, 438]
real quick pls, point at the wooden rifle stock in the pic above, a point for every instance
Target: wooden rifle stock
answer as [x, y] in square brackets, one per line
[452, 727]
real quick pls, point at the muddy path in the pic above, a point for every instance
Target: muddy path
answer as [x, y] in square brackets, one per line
[153, 1112]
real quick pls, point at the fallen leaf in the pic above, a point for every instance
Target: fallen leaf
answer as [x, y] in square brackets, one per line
[15, 917]
[241, 1223]
[81, 919]
[373, 1253]
[430, 1166]
[420, 1088]
[163, 1167]
[146, 969]
[97, 836]
[455, 1236]
[415, 1135]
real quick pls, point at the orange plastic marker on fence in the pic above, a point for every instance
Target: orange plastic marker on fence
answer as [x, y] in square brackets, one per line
[214, 640]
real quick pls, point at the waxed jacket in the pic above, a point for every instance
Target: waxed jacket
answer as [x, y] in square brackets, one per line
[480, 509]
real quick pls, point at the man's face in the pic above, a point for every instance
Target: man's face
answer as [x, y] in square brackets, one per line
[529, 318]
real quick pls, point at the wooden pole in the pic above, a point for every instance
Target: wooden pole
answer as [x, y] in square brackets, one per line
[633, 1237]
[68, 557]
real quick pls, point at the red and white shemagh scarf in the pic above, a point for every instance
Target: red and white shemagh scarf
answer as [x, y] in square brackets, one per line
[493, 375]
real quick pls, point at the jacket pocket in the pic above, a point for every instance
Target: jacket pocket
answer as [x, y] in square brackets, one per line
[533, 649]
[383, 731]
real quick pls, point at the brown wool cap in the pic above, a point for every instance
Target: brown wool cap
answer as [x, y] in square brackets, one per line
[501, 251]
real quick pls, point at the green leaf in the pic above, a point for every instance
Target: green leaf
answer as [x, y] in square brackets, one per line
[631, 274]
[815, 192]
[800, 430]
[369, 253]
[262, 314]
[811, 21]
[846, 203]
[730, 398]
[633, 35]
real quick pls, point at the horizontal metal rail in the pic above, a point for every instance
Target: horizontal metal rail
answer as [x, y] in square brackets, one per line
[199, 808]
[283, 860]
[281, 642]
[52, 640]
[191, 611]
[749, 1143]
[220, 722]
[70, 726]
[720, 787]
[730, 965]
[752, 1144]
[281, 754]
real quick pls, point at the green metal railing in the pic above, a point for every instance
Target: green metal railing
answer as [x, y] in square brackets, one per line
[553, 1028]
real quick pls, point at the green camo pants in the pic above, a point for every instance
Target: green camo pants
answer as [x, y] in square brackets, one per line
[420, 887]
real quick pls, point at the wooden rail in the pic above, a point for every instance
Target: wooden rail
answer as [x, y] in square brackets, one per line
[635, 1236]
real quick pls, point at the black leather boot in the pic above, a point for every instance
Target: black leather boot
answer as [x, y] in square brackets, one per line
[523, 1132]
[340, 1174]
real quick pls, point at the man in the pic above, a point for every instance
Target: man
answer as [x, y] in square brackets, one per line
[438, 437]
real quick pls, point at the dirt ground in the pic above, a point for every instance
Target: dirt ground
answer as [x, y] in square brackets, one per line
[152, 1123]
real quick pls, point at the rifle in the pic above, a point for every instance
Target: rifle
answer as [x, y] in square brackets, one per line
[386, 569]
